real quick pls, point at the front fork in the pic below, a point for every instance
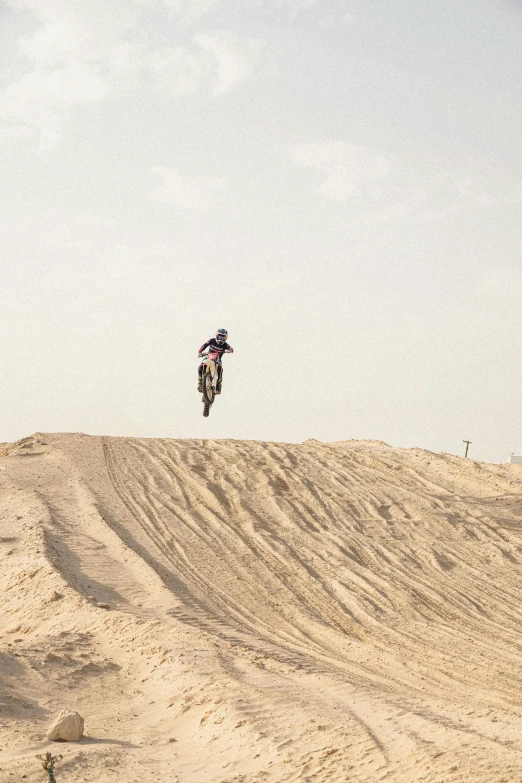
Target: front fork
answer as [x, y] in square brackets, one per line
[218, 370]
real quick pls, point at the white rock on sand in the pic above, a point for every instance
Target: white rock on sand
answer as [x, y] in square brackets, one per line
[67, 727]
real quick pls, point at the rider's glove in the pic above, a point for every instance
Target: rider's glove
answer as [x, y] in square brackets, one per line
[200, 355]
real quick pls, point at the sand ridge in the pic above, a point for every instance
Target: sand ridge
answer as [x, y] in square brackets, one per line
[232, 611]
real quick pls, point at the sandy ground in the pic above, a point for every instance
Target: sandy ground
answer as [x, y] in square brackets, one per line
[245, 612]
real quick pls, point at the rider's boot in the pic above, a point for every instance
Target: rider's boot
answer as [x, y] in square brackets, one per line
[218, 387]
[200, 384]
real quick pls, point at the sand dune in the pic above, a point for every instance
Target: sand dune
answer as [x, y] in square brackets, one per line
[246, 612]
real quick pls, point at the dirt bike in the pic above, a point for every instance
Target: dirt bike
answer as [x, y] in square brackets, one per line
[209, 379]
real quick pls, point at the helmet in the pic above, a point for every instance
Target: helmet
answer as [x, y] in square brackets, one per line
[221, 335]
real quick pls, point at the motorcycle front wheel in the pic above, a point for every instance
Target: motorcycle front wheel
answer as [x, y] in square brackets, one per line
[209, 392]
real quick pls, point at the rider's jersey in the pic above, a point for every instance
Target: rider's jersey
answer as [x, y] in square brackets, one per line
[215, 347]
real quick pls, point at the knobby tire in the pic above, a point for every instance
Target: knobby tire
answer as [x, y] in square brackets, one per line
[208, 390]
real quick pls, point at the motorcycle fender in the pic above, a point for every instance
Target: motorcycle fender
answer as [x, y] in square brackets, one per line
[211, 366]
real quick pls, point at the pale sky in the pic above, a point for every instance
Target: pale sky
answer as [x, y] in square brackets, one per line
[336, 182]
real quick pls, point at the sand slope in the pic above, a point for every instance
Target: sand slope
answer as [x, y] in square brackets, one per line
[235, 611]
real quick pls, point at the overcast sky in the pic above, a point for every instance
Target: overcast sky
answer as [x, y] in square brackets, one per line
[336, 182]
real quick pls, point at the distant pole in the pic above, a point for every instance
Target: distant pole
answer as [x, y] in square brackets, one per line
[467, 442]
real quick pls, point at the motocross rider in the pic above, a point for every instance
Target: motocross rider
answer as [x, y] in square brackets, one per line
[219, 345]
